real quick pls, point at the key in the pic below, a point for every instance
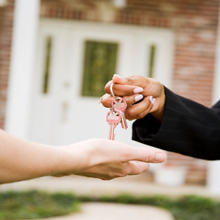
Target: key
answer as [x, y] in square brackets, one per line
[120, 105]
[113, 118]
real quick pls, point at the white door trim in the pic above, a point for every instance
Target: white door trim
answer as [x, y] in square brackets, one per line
[21, 70]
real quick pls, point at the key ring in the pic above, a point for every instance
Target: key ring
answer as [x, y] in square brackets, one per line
[111, 90]
[112, 93]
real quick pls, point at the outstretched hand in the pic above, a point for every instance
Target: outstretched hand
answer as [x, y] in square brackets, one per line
[106, 159]
[143, 95]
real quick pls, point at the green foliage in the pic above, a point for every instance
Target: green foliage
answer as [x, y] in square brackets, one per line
[34, 204]
[196, 208]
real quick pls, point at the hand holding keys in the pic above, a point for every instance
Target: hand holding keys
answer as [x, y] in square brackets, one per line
[116, 115]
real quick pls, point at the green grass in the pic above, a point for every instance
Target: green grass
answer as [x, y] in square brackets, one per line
[35, 204]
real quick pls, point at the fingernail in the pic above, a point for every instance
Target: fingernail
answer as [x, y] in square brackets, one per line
[152, 100]
[160, 157]
[138, 97]
[117, 76]
[100, 100]
[138, 90]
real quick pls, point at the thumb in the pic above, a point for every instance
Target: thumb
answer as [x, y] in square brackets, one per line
[149, 155]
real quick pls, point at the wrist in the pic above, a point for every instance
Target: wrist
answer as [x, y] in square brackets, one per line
[63, 162]
[71, 160]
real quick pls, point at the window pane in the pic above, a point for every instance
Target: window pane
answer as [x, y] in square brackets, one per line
[47, 62]
[152, 61]
[100, 60]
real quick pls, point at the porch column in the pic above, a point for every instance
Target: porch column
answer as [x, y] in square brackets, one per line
[213, 178]
[25, 30]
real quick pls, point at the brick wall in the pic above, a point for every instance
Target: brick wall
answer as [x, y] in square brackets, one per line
[6, 25]
[194, 23]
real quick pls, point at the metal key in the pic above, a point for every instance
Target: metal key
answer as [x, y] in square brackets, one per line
[113, 118]
[120, 105]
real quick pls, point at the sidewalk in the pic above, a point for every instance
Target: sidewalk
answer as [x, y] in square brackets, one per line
[101, 211]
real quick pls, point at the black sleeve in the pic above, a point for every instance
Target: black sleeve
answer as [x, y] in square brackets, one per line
[187, 128]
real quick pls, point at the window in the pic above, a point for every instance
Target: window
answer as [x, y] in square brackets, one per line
[47, 64]
[152, 61]
[100, 60]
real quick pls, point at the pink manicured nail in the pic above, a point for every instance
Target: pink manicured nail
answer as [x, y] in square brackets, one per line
[138, 97]
[105, 95]
[138, 90]
[152, 100]
[117, 76]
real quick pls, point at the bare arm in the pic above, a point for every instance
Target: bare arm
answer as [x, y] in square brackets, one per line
[99, 158]
[21, 159]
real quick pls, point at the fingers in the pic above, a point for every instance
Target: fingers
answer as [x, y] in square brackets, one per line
[110, 159]
[118, 80]
[125, 86]
[133, 111]
[149, 155]
[107, 100]
[140, 110]
[122, 90]
[137, 167]
[135, 88]
[134, 80]
[127, 153]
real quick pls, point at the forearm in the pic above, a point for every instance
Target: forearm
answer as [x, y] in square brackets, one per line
[22, 160]
[99, 158]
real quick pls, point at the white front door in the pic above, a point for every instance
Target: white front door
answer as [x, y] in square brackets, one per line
[65, 105]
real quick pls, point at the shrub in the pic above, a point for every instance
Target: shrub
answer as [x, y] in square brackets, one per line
[35, 204]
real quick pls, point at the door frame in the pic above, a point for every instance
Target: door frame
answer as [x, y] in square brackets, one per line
[22, 67]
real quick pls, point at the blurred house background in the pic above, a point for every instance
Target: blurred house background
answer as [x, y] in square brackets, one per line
[57, 55]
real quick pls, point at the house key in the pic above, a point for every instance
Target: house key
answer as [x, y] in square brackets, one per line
[120, 105]
[113, 118]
